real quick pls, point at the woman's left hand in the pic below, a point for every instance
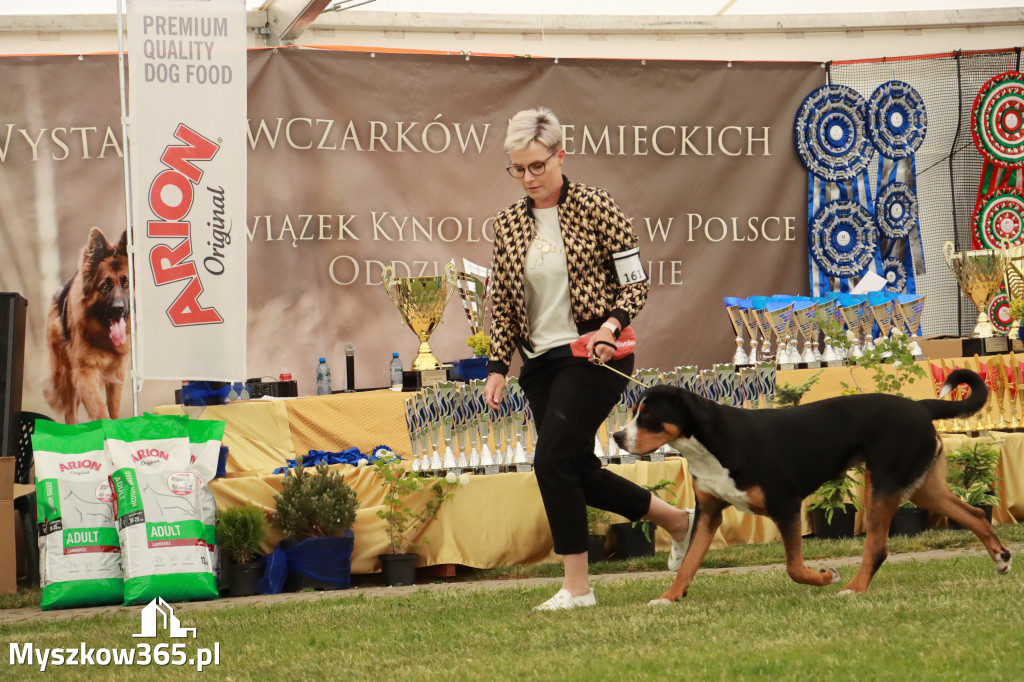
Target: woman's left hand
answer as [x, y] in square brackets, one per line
[602, 352]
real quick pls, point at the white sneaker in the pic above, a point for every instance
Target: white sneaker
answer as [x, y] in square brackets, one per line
[563, 599]
[675, 557]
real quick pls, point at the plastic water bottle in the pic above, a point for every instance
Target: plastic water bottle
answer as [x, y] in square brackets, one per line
[396, 373]
[323, 378]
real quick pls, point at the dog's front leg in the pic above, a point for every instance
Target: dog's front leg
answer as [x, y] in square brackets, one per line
[792, 541]
[709, 519]
[114, 389]
[92, 393]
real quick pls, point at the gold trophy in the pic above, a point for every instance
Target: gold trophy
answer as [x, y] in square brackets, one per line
[421, 301]
[979, 274]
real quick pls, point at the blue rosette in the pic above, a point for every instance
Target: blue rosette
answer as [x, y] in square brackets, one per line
[842, 240]
[896, 210]
[897, 119]
[832, 137]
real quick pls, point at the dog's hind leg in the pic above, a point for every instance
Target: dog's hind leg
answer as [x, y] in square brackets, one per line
[708, 518]
[792, 540]
[934, 495]
[879, 510]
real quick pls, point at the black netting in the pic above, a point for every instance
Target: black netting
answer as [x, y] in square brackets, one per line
[948, 164]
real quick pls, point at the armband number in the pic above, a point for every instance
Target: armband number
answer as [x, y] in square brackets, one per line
[628, 267]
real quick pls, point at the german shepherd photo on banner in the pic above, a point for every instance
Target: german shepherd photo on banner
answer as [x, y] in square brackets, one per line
[87, 331]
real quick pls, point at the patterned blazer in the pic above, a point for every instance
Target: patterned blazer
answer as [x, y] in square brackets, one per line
[593, 229]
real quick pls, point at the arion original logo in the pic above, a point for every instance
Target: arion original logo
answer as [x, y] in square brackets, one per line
[81, 466]
[170, 198]
[148, 455]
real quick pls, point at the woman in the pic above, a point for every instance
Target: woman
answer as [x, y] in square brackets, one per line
[555, 276]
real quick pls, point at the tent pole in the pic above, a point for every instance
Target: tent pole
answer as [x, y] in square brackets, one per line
[136, 383]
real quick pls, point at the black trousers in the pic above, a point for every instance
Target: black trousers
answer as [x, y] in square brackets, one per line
[570, 398]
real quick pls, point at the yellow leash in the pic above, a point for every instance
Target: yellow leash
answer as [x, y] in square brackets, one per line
[598, 361]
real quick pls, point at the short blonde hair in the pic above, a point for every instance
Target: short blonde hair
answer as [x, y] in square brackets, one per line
[533, 125]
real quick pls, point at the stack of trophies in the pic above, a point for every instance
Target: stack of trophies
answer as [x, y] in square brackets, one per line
[453, 430]
[1004, 410]
[862, 319]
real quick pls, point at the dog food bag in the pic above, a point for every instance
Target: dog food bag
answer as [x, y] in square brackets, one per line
[79, 551]
[204, 438]
[158, 511]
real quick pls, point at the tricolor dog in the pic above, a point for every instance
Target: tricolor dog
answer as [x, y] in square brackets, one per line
[767, 461]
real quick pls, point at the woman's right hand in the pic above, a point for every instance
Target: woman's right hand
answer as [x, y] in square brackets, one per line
[494, 390]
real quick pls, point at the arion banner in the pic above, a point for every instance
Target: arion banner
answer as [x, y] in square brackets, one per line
[187, 111]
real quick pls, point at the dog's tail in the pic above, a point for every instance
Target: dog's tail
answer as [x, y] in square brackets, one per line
[950, 409]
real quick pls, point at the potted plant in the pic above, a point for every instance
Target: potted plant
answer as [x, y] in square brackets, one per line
[972, 475]
[909, 519]
[829, 514]
[636, 539]
[476, 366]
[315, 514]
[1016, 312]
[787, 395]
[403, 523]
[597, 522]
[240, 530]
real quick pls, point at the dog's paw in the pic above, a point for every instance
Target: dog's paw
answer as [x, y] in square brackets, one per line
[833, 573]
[846, 593]
[660, 601]
[1003, 563]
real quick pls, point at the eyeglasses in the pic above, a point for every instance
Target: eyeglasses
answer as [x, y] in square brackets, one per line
[535, 168]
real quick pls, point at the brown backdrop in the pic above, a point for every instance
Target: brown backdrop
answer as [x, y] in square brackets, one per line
[360, 160]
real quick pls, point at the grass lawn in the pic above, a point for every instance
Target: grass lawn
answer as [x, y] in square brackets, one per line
[951, 619]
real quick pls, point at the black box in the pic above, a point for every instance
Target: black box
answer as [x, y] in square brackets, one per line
[278, 389]
[994, 345]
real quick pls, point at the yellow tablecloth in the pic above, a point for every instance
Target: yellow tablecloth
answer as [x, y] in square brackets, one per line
[493, 521]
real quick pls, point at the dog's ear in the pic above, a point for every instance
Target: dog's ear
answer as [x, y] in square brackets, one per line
[695, 409]
[96, 249]
[122, 245]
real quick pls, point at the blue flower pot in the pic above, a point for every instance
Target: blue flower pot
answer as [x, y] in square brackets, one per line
[471, 368]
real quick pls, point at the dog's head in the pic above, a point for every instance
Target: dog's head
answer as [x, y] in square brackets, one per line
[104, 272]
[663, 414]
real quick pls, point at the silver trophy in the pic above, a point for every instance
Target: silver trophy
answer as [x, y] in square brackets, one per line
[432, 425]
[412, 424]
[759, 311]
[779, 316]
[611, 449]
[881, 312]
[911, 309]
[851, 316]
[804, 315]
[766, 383]
[444, 394]
[622, 417]
[750, 387]
[732, 308]
[749, 318]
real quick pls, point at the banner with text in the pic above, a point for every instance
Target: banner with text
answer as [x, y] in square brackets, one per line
[187, 66]
[359, 160]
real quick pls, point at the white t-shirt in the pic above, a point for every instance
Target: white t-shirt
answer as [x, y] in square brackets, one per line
[547, 286]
